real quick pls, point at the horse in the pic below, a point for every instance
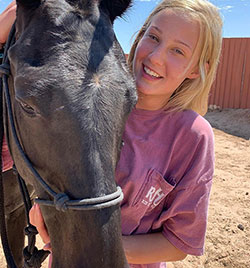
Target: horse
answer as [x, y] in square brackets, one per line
[70, 93]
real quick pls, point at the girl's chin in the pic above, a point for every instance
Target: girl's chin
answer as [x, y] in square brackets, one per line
[142, 87]
[145, 91]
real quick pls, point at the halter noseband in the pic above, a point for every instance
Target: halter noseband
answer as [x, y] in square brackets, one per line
[61, 201]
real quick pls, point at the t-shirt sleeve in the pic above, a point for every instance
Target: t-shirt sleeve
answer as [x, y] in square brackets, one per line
[184, 217]
[186, 228]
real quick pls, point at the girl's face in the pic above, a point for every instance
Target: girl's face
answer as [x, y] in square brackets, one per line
[162, 58]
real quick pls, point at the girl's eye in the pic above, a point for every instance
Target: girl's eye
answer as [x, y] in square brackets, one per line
[178, 51]
[153, 37]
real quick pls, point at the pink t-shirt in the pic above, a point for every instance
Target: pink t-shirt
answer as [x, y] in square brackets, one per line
[165, 171]
[7, 161]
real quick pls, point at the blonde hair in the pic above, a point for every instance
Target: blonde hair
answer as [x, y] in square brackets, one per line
[193, 93]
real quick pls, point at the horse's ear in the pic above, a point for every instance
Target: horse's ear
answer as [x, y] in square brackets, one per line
[115, 8]
[29, 3]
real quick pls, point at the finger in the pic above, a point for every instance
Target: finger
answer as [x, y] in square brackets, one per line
[31, 215]
[47, 247]
[41, 227]
[50, 260]
[37, 220]
[34, 215]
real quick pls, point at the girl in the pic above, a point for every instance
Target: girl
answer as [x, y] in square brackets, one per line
[167, 160]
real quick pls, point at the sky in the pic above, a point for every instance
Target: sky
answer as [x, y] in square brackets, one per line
[235, 14]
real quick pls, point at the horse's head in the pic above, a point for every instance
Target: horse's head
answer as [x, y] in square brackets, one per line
[71, 93]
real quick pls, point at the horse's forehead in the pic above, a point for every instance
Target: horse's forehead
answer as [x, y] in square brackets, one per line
[67, 41]
[52, 14]
[58, 24]
[58, 8]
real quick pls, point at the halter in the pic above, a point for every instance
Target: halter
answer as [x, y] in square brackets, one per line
[61, 201]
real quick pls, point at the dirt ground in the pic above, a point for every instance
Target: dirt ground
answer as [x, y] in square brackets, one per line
[228, 232]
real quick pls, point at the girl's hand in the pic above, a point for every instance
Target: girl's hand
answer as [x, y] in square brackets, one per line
[36, 219]
[7, 18]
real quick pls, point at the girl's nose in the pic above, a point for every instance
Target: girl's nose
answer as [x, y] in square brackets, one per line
[157, 56]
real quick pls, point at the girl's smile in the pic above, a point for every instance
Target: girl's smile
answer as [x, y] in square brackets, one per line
[149, 73]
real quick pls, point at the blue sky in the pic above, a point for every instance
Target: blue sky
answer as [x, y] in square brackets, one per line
[235, 13]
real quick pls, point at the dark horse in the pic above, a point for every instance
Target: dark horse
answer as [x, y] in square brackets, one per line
[70, 94]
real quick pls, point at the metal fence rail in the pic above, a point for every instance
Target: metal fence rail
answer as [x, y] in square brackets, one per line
[231, 88]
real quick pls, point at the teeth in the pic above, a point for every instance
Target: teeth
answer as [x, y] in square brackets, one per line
[150, 72]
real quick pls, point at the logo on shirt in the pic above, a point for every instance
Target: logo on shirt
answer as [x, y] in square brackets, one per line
[153, 197]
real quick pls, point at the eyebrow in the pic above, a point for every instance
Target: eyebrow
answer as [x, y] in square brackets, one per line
[156, 28]
[176, 40]
[183, 43]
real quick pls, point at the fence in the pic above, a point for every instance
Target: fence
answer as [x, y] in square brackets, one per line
[231, 88]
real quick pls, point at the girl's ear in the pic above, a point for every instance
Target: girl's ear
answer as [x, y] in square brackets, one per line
[196, 73]
[207, 67]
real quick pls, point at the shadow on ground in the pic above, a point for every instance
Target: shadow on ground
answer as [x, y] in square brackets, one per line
[232, 121]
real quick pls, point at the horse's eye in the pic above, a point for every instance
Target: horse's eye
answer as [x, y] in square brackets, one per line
[27, 108]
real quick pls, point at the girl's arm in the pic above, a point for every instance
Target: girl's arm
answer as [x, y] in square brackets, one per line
[139, 249]
[150, 248]
[7, 19]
